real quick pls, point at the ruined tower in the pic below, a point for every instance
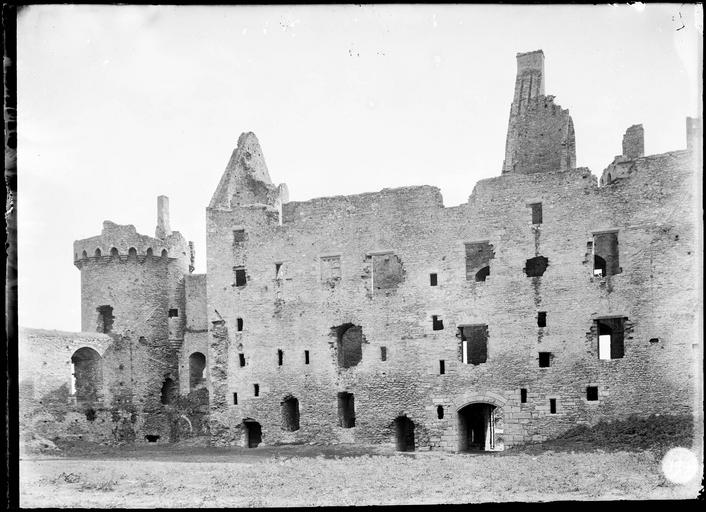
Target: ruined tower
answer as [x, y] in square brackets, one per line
[540, 134]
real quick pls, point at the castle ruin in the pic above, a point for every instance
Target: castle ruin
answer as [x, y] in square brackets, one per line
[549, 299]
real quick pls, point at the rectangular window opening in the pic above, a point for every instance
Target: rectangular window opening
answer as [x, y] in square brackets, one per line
[256, 389]
[611, 338]
[280, 357]
[306, 357]
[240, 278]
[478, 256]
[241, 358]
[542, 319]
[523, 396]
[536, 213]
[383, 353]
[436, 323]
[278, 271]
[442, 367]
[552, 405]
[173, 313]
[606, 261]
[240, 324]
[592, 393]
[433, 279]
[545, 359]
[474, 343]
[235, 398]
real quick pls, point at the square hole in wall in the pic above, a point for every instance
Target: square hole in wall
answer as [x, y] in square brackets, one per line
[545, 359]
[523, 396]
[437, 324]
[433, 280]
[592, 393]
[240, 278]
[552, 405]
[542, 319]
[173, 313]
[536, 213]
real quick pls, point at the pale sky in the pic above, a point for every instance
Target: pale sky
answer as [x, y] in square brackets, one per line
[119, 104]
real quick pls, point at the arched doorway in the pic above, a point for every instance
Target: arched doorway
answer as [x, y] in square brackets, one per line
[404, 434]
[476, 427]
[197, 363]
[87, 374]
[253, 433]
[290, 414]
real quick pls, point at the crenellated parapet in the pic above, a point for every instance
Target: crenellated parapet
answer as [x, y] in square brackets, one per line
[122, 242]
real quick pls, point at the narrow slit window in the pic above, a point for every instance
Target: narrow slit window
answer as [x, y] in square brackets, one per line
[280, 357]
[433, 280]
[306, 357]
[440, 412]
[241, 359]
[235, 398]
[542, 319]
[552, 405]
[442, 367]
[240, 278]
[536, 213]
[545, 359]
[240, 324]
[256, 389]
[436, 323]
[383, 353]
[523, 396]
[592, 393]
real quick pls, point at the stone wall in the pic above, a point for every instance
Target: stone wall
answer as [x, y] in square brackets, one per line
[652, 212]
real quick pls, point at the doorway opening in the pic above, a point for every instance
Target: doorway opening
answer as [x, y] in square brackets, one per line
[253, 433]
[404, 434]
[476, 427]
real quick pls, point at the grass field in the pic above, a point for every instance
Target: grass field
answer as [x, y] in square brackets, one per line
[313, 476]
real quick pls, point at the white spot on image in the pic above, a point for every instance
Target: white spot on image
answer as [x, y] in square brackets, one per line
[679, 465]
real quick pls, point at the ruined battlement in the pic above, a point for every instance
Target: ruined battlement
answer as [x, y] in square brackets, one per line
[388, 200]
[123, 241]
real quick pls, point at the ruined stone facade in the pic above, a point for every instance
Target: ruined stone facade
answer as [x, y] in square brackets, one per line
[544, 302]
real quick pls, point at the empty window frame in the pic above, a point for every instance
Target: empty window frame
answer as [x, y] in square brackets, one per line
[440, 412]
[290, 414]
[474, 343]
[346, 410]
[606, 261]
[388, 271]
[306, 357]
[478, 256]
[280, 357]
[433, 279]
[545, 359]
[235, 398]
[611, 337]
[238, 236]
[542, 319]
[241, 359]
[173, 313]
[536, 213]
[592, 393]
[535, 267]
[240, 278]
[523, 396]
[278, 271]
[239, 324]
[437, 324]
[256, 389]
[552, 405]
[105, 319]
[442, 367]
[349, 344]
[383, 353]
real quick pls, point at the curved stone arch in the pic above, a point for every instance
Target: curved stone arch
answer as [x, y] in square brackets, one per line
[475, 397]
[97, 253]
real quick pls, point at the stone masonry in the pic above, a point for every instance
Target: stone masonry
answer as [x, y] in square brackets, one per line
[549, 299]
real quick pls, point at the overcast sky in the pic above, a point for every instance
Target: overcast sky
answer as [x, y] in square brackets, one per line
[117, 105]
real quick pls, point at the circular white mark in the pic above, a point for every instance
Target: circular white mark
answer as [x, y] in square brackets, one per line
[679, 465]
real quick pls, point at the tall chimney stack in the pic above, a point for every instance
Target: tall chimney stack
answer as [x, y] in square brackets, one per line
[163, 230]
